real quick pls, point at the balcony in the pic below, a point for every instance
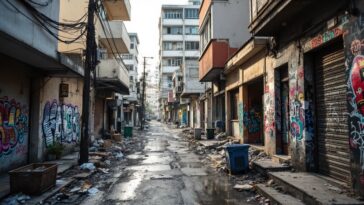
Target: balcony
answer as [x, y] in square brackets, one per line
[212, 61]
[112, 75]
[119, 35]
[269, 17]
[117, 9]
[172, 53]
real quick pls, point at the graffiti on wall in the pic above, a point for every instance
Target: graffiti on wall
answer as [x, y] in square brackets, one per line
[269, 120]
[324, 37]
[13, 127]
[356, 106]
[241, 117]
[251, 120]
[61, 123]
[296, 105]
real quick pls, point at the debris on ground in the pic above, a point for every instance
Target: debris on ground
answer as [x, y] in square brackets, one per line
[243, 187]
[16, 199]
[88, 166]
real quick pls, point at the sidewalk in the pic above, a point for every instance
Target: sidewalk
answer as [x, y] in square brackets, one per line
[64, 164]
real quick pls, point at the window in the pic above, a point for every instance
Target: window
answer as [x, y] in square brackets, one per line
[127, 56]
[131, 78]
[172, 61]
[192, 45]
[172, 45]
[173, 14]
[193, 72]
[129, 67]
[191, 30]
[205, 35]
[191, 13]
[131, 45]
[172, 30]
[169, 81]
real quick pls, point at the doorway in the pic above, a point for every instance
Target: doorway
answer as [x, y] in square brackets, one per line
[282, 139]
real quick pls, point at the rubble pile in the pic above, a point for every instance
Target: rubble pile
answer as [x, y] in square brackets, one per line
[106, 158]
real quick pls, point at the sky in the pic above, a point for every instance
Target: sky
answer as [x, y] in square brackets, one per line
[144, 21]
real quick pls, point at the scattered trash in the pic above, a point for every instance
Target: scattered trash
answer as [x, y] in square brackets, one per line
[88, 166]
[75, 189]
[17, 199]
[243, 187]
[93, 191]
[108, 162]
[119, 155]
[85, 186]
[103, 170]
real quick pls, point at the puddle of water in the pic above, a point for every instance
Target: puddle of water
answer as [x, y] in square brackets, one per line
[135, 156]
[154, 159]
[194, 171]
[150, 168]
[125, 191]
[191, 165]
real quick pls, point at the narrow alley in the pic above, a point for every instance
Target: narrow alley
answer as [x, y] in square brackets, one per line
[166, 171]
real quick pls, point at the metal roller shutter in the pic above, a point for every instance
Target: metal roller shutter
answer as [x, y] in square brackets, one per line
[331, 113]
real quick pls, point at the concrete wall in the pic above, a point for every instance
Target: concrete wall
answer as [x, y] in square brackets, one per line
[25, 30]
[353, 41]
[72, 11]
[14, 114]
[230, 20]
[60, 118]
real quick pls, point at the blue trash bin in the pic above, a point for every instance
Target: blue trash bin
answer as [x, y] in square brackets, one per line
[237, 158]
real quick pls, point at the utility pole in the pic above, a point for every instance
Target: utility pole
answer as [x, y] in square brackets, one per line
[143, 94]
[90, 63]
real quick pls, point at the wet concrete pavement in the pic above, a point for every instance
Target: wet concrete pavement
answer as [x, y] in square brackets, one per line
[166, 171]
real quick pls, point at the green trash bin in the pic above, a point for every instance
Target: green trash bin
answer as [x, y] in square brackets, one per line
[210, 133]
[128, 131]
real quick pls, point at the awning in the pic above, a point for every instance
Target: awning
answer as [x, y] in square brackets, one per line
[247, 51]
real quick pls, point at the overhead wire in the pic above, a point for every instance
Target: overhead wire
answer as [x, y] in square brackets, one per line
[45, 22]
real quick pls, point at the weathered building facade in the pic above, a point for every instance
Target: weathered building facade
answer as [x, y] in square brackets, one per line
[39, 98]
[219, 38]
[299, 94]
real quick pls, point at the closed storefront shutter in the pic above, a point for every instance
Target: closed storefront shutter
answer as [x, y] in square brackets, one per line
[331, 113]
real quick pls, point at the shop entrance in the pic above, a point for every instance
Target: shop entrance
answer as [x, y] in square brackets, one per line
[253, 112]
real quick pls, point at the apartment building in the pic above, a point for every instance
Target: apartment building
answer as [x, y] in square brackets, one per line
[220, 38]
[179, 45]
[131, 62]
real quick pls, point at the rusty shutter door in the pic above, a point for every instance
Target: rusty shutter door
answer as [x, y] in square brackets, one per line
[331, 113]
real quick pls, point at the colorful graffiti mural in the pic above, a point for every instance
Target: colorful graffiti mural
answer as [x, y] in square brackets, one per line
[61, 123]
[354, 56]
[13, 127]
[296, 97]
[269, 120]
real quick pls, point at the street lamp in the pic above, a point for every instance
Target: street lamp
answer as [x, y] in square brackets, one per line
[143, 94]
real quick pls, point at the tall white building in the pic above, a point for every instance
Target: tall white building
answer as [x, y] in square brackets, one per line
[131, 63]
[179, 46]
